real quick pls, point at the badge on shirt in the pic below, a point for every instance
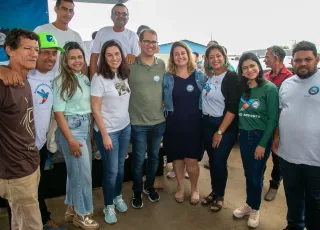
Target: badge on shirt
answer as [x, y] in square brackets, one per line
[190, 88]
[314, 90]
[156, 78]
[255, 104]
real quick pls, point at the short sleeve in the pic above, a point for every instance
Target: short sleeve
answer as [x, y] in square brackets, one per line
[97, 88]
[96, 48]
[59, 105]
[135, 45]
[38, 29]
[281, 90]
[2, 94]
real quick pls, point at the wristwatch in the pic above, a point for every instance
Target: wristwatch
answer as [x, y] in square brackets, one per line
[219, 132]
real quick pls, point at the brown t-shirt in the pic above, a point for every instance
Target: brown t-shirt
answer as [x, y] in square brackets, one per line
[19, 157]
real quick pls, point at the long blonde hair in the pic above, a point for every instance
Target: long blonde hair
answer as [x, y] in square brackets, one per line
[207, 68]
[172, 67]
[69, 80]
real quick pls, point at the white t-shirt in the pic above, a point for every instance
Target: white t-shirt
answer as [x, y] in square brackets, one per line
[41, 86]
[127, 39]
[212, 97]
[62, 37]
[115, 95]
[87, 50]
[299, 120]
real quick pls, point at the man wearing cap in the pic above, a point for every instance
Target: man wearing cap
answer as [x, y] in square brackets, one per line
[40, 80]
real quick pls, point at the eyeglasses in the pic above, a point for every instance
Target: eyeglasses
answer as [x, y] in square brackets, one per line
[123, 14]
[148, 42]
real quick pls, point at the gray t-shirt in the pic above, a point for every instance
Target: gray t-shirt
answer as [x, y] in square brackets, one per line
[299, 120]
[212, 97]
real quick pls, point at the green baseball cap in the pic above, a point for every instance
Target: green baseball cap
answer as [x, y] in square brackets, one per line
[48, 41]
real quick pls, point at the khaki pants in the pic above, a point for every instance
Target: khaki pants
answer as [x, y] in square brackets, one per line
[22, 194]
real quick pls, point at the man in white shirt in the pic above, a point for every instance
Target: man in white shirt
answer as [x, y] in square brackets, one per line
[299, 134]
[40, 80]
[60, 27]
[128, 39]
[88, 47]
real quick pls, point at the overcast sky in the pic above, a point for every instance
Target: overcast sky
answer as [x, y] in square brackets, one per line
[237, 24]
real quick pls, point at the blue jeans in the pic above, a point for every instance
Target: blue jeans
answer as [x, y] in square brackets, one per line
[113, 162]
[144, 137]
[302, 189]
[79, 180]
[218, 156]
[253, 169]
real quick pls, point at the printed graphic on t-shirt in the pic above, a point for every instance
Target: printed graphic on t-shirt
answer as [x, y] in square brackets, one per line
[207, 88]
[122, 88]
[27, 119]
[41, 94]
[254, 103]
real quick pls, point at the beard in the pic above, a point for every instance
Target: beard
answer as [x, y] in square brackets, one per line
[306, 75]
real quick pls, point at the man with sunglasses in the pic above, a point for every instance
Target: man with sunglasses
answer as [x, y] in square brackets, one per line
[118, 32]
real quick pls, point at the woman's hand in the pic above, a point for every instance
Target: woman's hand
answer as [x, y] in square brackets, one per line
[259, 154]
[75, 148]
[216, 140]
[107, 143]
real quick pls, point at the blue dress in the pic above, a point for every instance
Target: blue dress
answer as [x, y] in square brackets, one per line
[183, 136]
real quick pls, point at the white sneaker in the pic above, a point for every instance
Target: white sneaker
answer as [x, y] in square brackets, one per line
[244, 210]
[254, 219]
[171, 174]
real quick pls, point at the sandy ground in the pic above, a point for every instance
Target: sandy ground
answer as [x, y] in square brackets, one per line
[167, 214]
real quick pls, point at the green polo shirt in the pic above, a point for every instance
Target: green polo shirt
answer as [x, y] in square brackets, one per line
[145, 107]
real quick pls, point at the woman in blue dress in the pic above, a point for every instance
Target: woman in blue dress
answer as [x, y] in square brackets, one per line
[182, 87]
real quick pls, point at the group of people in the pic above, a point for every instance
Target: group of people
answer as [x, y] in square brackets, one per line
[131, 95]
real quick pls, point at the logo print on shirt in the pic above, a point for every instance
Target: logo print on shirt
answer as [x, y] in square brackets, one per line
[255, 104]
[207, 89]
[27, 119]
[246, 104]
[156, 78]
[122, 88]
[190, 88]
[44, 96]
[87, 82]
[314, 90]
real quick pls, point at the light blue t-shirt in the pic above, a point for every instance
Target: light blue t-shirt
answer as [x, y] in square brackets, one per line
[79, 104]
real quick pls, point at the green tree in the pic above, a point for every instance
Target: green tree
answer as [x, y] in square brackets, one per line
[285, 47]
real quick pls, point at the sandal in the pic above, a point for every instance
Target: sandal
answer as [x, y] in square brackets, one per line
[208, 199]
[216, 207]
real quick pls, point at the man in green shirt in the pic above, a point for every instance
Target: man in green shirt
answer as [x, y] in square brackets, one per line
[146, 115]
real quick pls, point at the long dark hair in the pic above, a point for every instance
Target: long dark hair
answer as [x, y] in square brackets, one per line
[103, 67]
[69, 80]
[243, 80]
[208, 69]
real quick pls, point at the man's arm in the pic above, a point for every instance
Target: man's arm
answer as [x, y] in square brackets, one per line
[10, 77]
